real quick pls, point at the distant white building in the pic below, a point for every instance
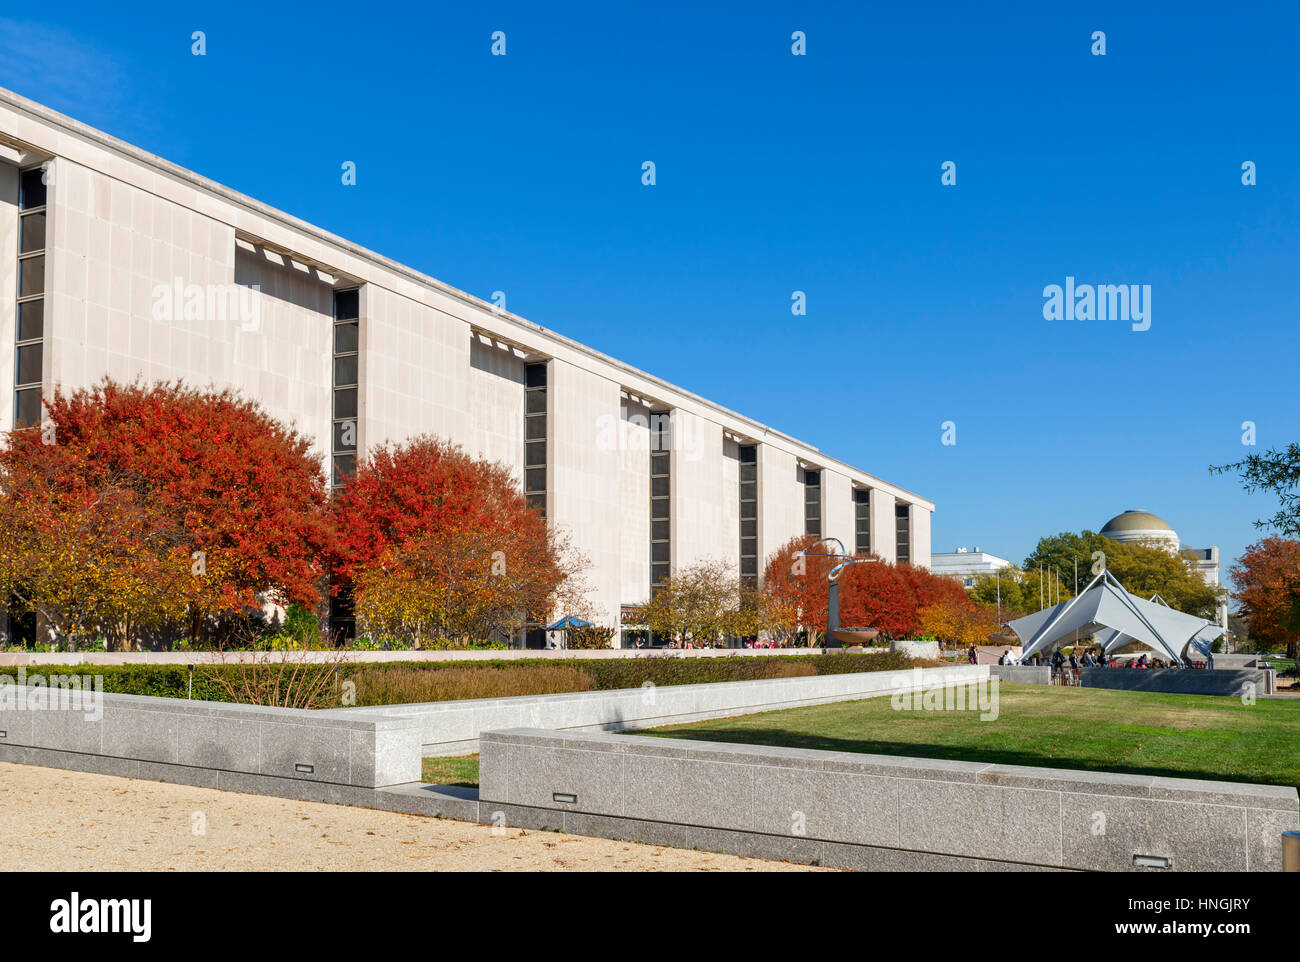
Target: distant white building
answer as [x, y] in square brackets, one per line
[1143, 526]
[965, 564]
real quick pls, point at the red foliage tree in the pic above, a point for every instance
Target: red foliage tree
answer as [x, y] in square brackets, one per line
[1267, 577]
[796, 587]
[422, 526]
[424, 486]
[932, 589]
[876, 594]
[222, 475]
[159, 503]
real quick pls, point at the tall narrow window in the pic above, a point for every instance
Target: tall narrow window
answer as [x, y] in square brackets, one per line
[535, 434]
[29, 332]
[862, 520]
[749, 515]
[903, 529]
[812, 503]
[347, 373]
[661, 546]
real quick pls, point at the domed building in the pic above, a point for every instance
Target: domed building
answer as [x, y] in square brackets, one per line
[1137, 525]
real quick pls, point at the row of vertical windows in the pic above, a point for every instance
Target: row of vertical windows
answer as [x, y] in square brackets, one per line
[29, 332]
[903, 531]
[749, 515]
[862, 521]
[661, 546]
[347, 371]
[343, 454]
[536, 450]
[812, 503]
[535, 434]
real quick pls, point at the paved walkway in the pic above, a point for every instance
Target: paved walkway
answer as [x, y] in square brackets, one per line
[51, 819]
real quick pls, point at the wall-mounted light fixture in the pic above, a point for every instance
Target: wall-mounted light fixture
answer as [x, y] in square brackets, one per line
[1153, 861]
[567, 798]
[305, 769]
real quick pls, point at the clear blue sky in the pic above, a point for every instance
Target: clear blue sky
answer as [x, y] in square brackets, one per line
[778, 173]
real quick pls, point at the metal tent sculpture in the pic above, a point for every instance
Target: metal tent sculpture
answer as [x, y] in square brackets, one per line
[1197, 647]
[1105, 604]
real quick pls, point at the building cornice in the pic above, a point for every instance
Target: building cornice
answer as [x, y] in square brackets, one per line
[757, 430]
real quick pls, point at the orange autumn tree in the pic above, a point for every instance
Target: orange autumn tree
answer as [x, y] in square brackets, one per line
[1267, 577]
[158, 503]
[89, 559]
[439, 547]
[957, 621]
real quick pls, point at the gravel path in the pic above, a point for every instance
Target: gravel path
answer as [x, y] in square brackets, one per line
[51, 819]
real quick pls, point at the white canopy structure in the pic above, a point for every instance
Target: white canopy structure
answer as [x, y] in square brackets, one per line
[1120, 618]
[1197, 648]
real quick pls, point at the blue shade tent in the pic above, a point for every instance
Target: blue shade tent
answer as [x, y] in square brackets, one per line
[568, 623]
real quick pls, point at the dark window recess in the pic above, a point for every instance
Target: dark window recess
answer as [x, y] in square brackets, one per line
[661, 545]
[862, 521]
[29, 330]
[347, 375]
[347, 305]
[343, 619]
[812, 503]
[27, 407]
[345, 403]
[345, 370]
[345, 436]
[346, 338]
[535, 436]
[749, 515]
[29, 364]
[31, 320]
[32, 231]
[903, 530]
[344, 467]
[31, 276]
[32, 189]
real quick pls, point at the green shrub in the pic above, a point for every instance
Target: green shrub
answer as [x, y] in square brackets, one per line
[401, 682]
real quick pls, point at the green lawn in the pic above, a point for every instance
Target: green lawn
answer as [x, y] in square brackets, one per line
[452, 771]
[1185, 736]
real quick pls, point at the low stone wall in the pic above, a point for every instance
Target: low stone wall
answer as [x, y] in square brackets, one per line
[1232, 682]
[1025, 674]
[916, 649]
[164, 738]
[453, 727]
[875, 812]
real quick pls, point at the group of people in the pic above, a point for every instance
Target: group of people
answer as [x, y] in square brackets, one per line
[1091, 658]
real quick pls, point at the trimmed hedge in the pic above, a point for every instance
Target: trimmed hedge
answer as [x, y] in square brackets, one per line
[421, 678]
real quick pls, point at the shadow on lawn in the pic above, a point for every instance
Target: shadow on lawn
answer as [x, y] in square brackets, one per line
[968, 753]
